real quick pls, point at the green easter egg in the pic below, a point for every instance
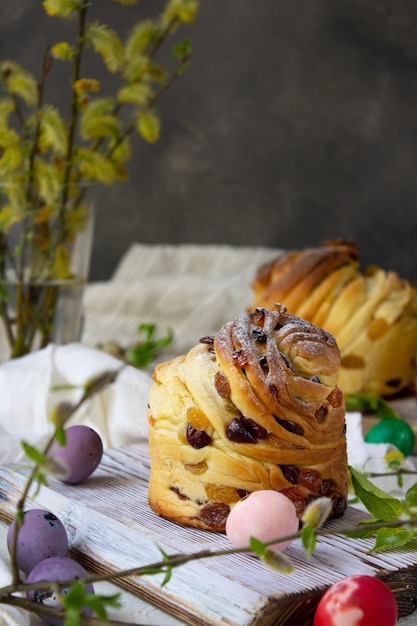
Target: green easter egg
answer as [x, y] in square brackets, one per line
[395, 431]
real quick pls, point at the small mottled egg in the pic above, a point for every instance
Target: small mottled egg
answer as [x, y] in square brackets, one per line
[264, 515]
[82, 453]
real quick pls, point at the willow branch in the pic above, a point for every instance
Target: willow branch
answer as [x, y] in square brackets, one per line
[73, 113]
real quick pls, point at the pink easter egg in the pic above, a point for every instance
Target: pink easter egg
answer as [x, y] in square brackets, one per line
[265, 515]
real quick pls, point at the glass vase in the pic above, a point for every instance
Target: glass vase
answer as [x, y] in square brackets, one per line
[45, 251]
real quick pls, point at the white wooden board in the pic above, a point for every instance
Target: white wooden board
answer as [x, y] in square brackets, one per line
[111, 527]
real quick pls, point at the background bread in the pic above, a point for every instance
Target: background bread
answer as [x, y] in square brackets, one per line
[371, 313]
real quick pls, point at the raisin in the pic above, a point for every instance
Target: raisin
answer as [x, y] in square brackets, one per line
[292, 427]
[196, 468]
[197, 419]
[222, 385]
[259, 335]
[181, 496]
[290, 472]
[259, 431]
[222, 493]
[245, 430]
[296, 497]
[329, 487]
[321, 414]
[208, 340]
[215, 515]
[338, 506]
[335, 398]
[240, 358]
[235, 431]
[197, 438]
[311, 480]
[315, 379]
[258, 316]
[287, 362]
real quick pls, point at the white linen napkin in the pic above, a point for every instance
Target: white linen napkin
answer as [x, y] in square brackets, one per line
[28, 394]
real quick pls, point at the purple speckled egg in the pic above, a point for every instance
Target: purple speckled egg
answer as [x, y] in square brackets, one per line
[60, 569]
[82, 453]
[41, 536]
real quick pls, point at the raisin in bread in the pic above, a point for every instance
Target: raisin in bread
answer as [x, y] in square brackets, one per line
[254, 407]
[371, 313]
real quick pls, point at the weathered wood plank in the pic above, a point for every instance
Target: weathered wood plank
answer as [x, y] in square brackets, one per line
[111, 527]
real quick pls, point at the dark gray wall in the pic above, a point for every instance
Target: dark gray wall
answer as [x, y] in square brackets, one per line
[297, 122]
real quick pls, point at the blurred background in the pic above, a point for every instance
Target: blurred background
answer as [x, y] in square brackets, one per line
[296, 123]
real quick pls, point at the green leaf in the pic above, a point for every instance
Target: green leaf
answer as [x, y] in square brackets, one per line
[8, 137]
[153, 571]
[63, 51]
[97, 119]
[7, 107]
[308, 538]
[75, 596]
[149, 126]
[146, 349]
[140, 37]
[106, 42]
[67, 9]
[182, 49]
[379, 504]
[40, 479]
[72, 618]
[73, 602]
[362, 532]
[19, 82]
[48, 179]
[138, 93]
[182, 10]
[60, 436]
[11, 160]
[411, 496]
[53, 131]
[163, 342]
[370, 402]
[99, 603]
[32, 453]
[257, 546]
[94, 166]
[167, 577]
[392, 538]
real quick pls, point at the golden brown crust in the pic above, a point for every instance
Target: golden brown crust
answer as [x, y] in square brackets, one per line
[293, 274]
[255, 407]
[372, 313]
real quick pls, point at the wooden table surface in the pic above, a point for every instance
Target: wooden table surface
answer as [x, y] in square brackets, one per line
[111, 527]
